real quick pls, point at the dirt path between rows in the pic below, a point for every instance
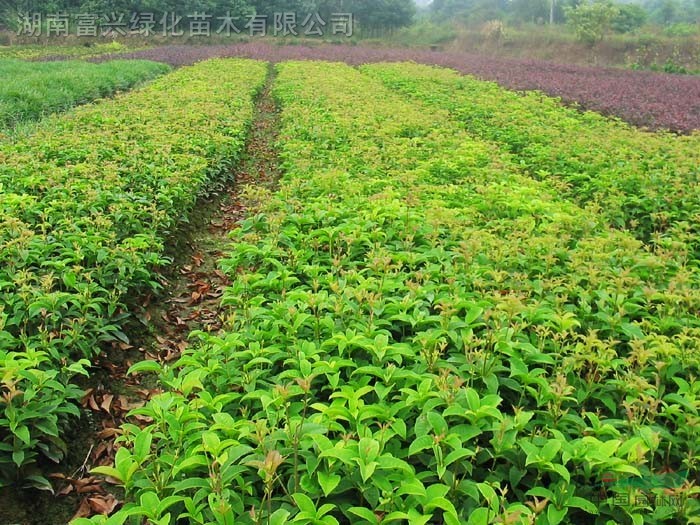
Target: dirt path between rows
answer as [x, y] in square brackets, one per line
[190, 300]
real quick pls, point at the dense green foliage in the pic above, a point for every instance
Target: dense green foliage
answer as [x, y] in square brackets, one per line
[416, 332]
[86, 203]
[646, 182]
[629, 18]
[30, 90]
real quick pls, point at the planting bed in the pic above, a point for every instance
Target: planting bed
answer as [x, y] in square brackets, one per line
[416, 332]
[86, 203]
[44, 52]
[30, 90]
[645, 182]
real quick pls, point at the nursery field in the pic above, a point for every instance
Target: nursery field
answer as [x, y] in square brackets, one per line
[454, 304]
[642, 98]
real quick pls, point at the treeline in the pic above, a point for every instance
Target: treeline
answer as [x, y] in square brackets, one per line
[627, 16]
[367, 14]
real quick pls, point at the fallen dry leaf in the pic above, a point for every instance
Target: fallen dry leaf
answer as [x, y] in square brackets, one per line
[84, 510]
[103, 504]
[107, 402]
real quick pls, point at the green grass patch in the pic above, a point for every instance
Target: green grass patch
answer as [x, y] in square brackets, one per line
[30, 90]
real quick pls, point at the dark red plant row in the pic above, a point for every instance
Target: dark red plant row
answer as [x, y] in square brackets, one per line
[653, 100]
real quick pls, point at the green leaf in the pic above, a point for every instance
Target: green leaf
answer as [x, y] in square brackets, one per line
[420, 444]
[582, 504]
[441, 503]
[22, 432]
[411, 487]
[364, 513]
[416, 518]
[304, 503]
[550, 449]
[632, 331]
[69, 279]
[189, 463]
[149, 500]
[437, 423]
[18, 457]
[473, 401]
[145, 366]
[457, 455]
[279, 517]
[479, 516]
[561, 470]
[108, 471]
[39, 482]
[367, 469]
[142, 445]
[328, 482]
[487, 492]
[541, 492]
[368, 450]
[211, 442]
[555, 515]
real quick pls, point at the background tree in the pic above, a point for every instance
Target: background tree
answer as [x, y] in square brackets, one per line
[382, 14]
[469, 11]
[592, 21]
[630, 17]
[538, 11]
[666, 12]
[529, 10]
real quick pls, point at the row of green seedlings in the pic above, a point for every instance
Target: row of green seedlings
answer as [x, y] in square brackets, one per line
[35, 52]
[648, 183]
[31, 90]
[86, 204]
[418, 333]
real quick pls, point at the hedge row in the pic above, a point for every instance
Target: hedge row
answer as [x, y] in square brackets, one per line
[86, 205]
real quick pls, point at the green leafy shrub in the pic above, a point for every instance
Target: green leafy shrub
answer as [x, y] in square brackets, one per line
[37, 400]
